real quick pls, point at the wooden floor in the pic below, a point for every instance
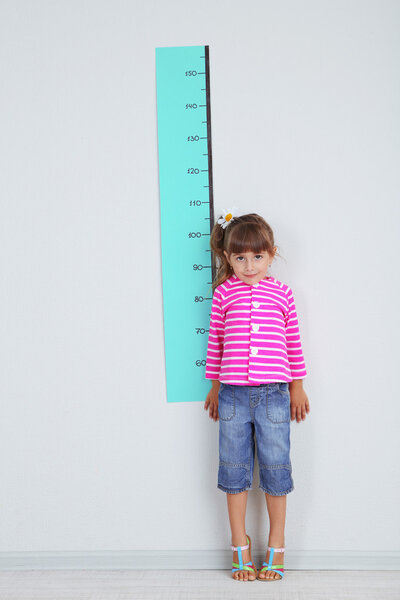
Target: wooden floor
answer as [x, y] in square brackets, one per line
[196, 584]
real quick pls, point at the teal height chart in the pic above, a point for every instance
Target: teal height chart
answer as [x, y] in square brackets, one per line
[187, 215]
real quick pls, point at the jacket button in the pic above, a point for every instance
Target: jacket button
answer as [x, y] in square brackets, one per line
[254, 351]
[256, 304]
[255, 327]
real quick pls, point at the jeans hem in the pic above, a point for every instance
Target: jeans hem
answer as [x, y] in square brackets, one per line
[228, 491]
[280, 494]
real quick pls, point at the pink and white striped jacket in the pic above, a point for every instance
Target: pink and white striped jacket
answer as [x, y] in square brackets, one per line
[254, 334]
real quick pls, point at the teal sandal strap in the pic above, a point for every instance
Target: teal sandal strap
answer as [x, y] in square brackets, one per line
[247, 567]
[268, 566]
[239, 551]
[240, 566]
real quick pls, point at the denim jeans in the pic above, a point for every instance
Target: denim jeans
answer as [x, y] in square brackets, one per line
[261, 412]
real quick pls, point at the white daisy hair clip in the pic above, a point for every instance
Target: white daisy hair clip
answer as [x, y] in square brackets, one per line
[228, 216]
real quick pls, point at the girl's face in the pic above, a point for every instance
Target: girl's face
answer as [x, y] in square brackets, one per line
[250, 267]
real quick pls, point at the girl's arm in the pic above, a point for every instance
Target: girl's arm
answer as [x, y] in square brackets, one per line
[293, 343]
[299, 404]
[215, 339]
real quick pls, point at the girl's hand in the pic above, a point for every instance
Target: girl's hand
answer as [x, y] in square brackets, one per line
[299, 404]
[212, 402]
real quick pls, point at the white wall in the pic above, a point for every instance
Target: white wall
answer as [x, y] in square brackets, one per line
[305, 123]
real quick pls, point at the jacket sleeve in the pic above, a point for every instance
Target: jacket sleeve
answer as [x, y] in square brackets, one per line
[293, 343]
[215, 338]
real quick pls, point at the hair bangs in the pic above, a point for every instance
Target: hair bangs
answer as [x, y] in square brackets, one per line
[247, 237]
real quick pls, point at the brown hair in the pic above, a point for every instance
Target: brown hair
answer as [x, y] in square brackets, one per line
[248, 233]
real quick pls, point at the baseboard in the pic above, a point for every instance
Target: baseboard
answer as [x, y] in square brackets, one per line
[196, 559]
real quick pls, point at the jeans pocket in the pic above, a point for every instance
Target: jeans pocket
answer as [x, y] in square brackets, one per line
[226, 402]
[284, 387]
[278, 404]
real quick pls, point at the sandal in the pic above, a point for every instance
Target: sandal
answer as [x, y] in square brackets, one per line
[249, 566]
[270, 567]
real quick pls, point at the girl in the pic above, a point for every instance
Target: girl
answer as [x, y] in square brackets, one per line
[256, 364]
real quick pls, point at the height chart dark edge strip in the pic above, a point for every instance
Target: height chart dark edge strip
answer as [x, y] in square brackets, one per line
[209, 150]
